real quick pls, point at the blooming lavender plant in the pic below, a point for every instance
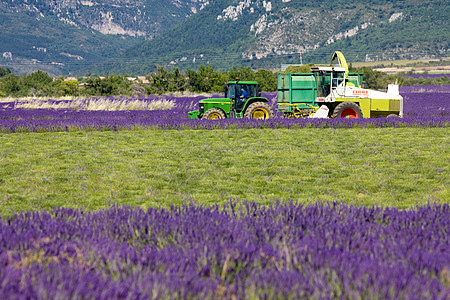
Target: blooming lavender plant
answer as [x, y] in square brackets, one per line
[284, 250]
[427, 105]
[416, 76]
[421, 109]
[424, 89]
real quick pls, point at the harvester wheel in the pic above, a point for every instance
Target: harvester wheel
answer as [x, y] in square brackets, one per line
[213, 114]
[347, 110]
[392, 116]
[259, 110]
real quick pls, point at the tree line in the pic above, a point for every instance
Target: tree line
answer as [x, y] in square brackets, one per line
[163, 81]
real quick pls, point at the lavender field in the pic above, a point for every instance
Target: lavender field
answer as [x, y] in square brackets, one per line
[283, 251]
[423, 106]
[147, 213]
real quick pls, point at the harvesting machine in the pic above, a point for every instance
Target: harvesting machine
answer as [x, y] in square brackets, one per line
[328, 91]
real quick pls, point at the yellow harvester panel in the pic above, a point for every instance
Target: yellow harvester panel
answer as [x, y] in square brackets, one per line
[380, 105]
[394, 105]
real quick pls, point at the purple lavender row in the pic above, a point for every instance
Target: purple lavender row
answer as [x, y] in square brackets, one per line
[421, 109]
[424, 104]
[115, 123]
[416, 76]
[424, 89]
[279, 251]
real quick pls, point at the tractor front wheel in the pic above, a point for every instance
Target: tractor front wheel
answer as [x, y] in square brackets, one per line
[213, 114]
[259, 110]
[348, 110]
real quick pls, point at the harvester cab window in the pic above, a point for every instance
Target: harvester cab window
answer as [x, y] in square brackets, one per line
[338, 78]
[334, 83]
[328, 78]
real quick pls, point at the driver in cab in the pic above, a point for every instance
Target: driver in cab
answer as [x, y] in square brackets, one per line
[244, 95]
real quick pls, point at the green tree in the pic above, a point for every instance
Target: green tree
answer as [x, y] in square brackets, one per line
[110, 85]
[267, 80]
[163, 81]
[67, 87]
[205, 80]
[12, 86]
[38, 83]
[179, 81]
[159, 81]
[241, 73]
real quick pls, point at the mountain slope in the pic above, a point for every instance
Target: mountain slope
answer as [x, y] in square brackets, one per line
[134, 36]
[55, 48]
[61, 36]
[261, 33]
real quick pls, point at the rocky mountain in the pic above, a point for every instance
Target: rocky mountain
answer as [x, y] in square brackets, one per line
[137, 35]
[263, 33]
[61, 36]
[144, 18]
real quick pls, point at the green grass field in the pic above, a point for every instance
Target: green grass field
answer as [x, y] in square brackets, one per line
[401, 167]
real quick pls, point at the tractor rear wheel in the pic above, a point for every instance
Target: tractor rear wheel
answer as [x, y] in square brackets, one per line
[259, 110]
[348, 110]
[213, 114]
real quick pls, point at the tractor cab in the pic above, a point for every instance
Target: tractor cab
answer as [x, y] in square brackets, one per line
[232, 105]
[234, 92]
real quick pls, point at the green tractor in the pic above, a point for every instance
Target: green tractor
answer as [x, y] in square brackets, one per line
[242, 99]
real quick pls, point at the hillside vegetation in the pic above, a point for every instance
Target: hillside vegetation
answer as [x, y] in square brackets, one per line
[257, 34]
[65, 37]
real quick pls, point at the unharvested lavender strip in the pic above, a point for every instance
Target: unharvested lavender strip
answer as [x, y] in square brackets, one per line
[284, 250]
[420, 109]
[427, 104]
[416, 76]
[425, 89]
[114, 123]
